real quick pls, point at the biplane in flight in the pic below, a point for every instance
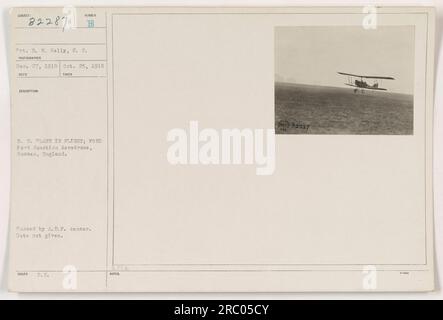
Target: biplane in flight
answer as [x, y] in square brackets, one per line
[360, 82]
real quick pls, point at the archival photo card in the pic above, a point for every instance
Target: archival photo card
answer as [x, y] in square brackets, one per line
[144, 156]
[344, 80]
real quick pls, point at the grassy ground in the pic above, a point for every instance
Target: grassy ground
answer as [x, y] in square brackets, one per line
[305, 109]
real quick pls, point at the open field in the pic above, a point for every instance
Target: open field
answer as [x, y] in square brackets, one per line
[306, 109]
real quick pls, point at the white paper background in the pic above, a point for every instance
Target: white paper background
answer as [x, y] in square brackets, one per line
[5, 152]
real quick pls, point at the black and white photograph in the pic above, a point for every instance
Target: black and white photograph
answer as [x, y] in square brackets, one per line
[344, 80]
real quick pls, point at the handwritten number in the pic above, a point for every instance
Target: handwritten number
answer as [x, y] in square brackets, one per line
[45, 21]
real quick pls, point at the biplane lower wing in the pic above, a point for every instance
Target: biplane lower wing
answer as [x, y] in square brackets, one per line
[368, 88]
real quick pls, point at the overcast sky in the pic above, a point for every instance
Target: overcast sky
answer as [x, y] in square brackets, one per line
[313, 55]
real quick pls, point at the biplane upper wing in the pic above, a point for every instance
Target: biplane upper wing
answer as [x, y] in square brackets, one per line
[366, 77]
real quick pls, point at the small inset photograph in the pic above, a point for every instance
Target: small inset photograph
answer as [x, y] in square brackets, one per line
[344, 80]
